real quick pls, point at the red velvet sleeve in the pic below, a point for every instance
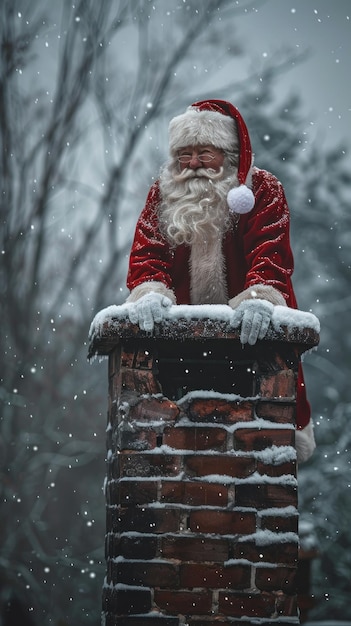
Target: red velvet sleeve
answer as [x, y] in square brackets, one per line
[150, 256]
[265, 233]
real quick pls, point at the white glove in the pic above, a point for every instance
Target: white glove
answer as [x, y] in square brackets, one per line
[148, 309]
[254, 315]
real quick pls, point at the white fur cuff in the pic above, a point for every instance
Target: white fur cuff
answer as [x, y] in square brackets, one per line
[264, 292]
[148, 287]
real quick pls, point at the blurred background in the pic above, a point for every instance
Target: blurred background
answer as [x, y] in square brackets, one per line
[86, 93]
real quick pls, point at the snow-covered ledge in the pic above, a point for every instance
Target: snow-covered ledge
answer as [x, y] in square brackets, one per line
[199, 321]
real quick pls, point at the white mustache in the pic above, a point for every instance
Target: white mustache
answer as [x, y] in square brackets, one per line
[201, 172]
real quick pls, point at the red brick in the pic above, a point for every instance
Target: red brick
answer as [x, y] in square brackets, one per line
[248, 605]
[287, 605]
[141, 380]
[154, 574]
[114, 389]
[214, 576]
[197, 548]
[217, 621]
[114, 361]
[263, 496]
[154, 409]
[220, 411]
[278, 384]
[137, 439]
[131, 492]
[280, 412]
[183, 602]
[247, 439]
[194, 493]
[144, 359]
[126, 357]
[113, 467]
[131, 547]
[283, 553]
[281, 469]
[126, 601]
[222, 522]
[144, 465]
[280, 523]
[195, 438]
[113, 413]
[142, 520]
[161, 620]
[225, 465]
[276, 579]
[281, 495]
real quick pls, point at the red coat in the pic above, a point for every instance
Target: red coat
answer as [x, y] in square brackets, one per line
[257, 251]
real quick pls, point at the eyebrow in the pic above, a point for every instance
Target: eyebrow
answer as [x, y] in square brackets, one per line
[200, 149]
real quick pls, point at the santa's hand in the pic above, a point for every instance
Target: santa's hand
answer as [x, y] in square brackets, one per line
[148, 310]
[254, 316]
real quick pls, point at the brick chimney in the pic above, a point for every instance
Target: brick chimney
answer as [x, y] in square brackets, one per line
[201, 487]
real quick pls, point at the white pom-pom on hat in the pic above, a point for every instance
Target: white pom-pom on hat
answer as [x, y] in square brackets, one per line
[240, 199]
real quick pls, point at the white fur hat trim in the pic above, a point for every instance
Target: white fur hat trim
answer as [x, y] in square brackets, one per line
[196, 127]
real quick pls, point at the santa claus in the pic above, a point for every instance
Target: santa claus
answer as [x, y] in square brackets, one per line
[215, 230]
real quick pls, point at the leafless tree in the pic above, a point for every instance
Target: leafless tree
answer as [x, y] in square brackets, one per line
[81, 87]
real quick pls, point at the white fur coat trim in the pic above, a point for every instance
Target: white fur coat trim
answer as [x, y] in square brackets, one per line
[305, 443]
[207, 273]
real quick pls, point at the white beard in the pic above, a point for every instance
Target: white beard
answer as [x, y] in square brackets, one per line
[194, 211]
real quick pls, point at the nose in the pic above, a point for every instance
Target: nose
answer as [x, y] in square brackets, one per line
[194, 162]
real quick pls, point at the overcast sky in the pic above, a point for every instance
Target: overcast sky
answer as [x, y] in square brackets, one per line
[322, 27]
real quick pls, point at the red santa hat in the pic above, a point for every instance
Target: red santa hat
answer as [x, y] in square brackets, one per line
[220, 124]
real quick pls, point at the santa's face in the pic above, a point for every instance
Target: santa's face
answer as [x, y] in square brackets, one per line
[200, 157]
[194, 195]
